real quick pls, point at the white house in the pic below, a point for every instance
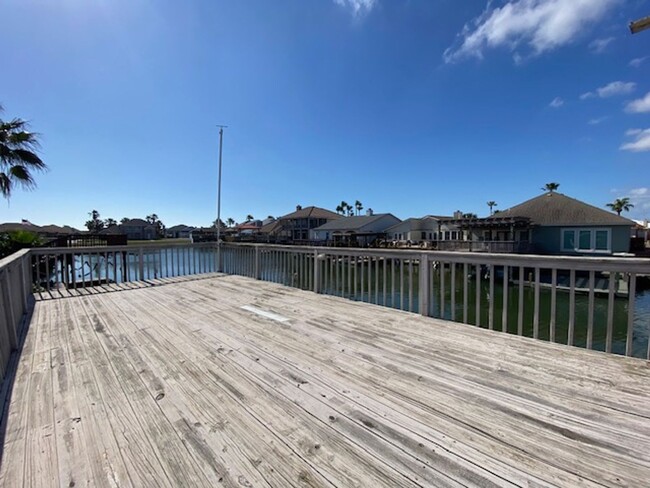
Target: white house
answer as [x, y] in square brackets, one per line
[360, 230]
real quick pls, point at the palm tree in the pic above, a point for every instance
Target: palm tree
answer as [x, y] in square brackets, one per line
[350, 210]
[491, 204]
[230, 221]
[344, 207]
[621, 204]
[470, 216]
[110, 222]
[17, 157]
[249, 217]
[339, 209]
[95, 224]
[358, 206]
[550, 187]
[124, 220]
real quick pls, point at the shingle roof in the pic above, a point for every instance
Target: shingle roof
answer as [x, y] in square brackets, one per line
[352, 223]
[311, 212]
[136, 222]
[558, 209]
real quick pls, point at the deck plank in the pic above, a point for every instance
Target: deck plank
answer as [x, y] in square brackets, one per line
[172, 383]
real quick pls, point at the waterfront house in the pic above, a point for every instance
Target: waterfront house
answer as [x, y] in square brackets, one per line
[429, 228]
[295, 226]
[553, 223]
[137, 229]
[360, 230]
[179, 231]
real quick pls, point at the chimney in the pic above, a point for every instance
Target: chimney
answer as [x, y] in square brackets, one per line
[458, 214]
[369, 212]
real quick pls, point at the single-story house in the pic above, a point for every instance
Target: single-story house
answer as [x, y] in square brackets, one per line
[426, 229]
[360, 230]
[553, 223]
[295, 227]
[180, 231]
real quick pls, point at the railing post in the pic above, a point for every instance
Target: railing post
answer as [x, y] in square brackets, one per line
[257, 270]
[23, 286]
[316, 273]
[424, 285]
[11, 320]
[141, 264]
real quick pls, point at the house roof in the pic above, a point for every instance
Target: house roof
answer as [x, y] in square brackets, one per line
[180, 228]
[415, 223]
[136, 221]
[354, 223]
[311, 212]
[47, 229]
[553, 209]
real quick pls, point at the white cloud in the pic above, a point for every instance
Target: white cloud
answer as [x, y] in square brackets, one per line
[640, 192]
[641, 142]
[636, 62]
[597, 120]
[358, 7]
[611, 89]
[557, 102]
[599, 45]
[539, 25]
[640, 105]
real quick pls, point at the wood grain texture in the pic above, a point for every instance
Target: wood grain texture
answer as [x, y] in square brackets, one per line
[173, 383]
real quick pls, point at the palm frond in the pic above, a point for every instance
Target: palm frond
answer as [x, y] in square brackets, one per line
[5, 185]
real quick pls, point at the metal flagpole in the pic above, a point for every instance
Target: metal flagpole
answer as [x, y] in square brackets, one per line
[218, 223]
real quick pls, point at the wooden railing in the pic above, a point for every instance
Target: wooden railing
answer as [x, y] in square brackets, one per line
[71, 268]
[15, 296]
[583, 301]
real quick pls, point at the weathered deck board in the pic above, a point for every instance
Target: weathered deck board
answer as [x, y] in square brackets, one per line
[178, 385]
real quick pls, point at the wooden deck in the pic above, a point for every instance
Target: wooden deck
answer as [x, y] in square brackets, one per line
[228, 381]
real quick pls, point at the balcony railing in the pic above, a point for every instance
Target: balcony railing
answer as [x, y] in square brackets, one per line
[584, 301]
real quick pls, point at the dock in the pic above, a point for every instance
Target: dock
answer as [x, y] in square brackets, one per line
[220, 380]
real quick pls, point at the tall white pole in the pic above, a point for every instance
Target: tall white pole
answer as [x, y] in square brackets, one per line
[219, 201]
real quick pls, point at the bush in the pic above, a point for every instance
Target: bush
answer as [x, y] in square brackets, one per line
[10, 242]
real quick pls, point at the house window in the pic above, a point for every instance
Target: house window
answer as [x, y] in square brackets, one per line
[423, 235]
[586, 240]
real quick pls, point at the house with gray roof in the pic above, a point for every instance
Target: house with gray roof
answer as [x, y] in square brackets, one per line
[429, 228]
[360, 230]
[553, 223]
[296, 226]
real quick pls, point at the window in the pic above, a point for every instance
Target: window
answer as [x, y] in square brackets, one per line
[586, 240]
[602, 240]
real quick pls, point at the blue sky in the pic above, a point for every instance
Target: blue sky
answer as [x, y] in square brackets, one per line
[412, 106]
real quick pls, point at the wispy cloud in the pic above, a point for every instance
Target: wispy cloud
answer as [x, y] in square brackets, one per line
[640, 140]
[636, 62]
[557, 102]
[600, 45]
[610, 90]
[536, 25]
[597, 120]
[358, 7]
[640, 105]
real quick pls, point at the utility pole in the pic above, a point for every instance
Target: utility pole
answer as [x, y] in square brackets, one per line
[221, 127]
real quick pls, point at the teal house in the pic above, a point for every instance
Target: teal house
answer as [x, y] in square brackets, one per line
[553, 223]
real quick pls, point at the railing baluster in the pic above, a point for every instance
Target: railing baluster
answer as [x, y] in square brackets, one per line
[610, 312]
[392, 282]
[504, 305]
[465, 292]
[553, 304]
[453, 291]
[363, 278]
[631, 288]
[572, 306]
[478, 295]
[520, 304]
[376, 266]
[590, 310]
[491, 299]
[410, 285]
[442, 289]
[401, 284]
[385, 265]
[536, 304]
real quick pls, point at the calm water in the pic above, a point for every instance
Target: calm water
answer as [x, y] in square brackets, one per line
[175, 262]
